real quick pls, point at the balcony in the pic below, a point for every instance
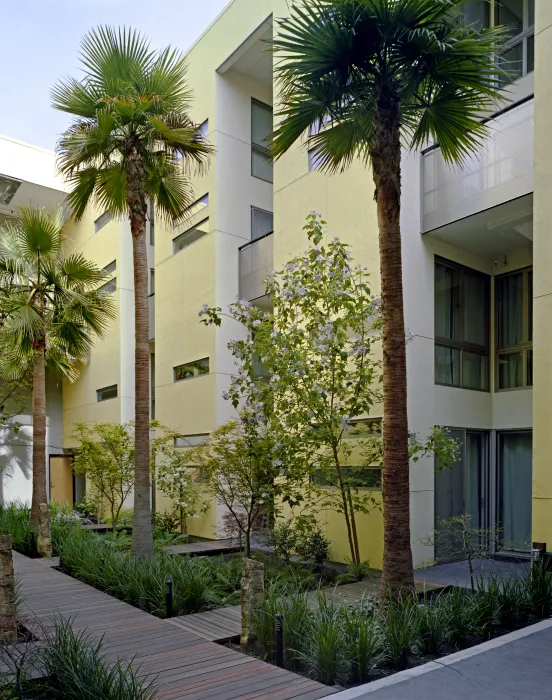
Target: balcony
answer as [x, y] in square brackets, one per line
[256, 261]
[151, 303]
[501, 171]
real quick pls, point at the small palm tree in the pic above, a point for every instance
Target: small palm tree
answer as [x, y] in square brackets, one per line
[131, 141]
[362, 77]
[51, 311]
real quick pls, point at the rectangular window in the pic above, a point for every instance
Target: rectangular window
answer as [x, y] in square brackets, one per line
[190, 236]
[261, 134]
[515, 490]
[203, 130]
[190, 440]
[102, 221]
[152, 222]
[111, 286]
[357, 477]
[518, 56]
[514, 329]
[315, 159]
[476, 12]
[461, 326]
[191, 370]
[108, 392]
[262, 223]
[152, 282]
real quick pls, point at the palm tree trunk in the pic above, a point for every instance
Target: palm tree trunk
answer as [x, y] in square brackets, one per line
[40, 493]
[397, 571]
[142, 537]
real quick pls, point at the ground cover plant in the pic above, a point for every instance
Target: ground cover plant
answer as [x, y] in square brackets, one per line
[337, 642]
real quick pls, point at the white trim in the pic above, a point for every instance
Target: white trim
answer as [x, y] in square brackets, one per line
[362, 690]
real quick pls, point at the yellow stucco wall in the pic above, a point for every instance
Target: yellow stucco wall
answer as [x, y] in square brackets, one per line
[542, 281]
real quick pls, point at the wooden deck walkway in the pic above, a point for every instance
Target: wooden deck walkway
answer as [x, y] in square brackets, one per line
[186, 665]
[203, 549]
[225, 623]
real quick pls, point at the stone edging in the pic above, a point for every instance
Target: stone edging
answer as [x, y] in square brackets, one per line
[362, 690]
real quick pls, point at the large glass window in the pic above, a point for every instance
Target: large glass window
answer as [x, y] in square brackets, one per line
[461, 327]
[514, 329]
[261, 133]
[262, 223]
[476, 12]
[518, 56]
[515, 490]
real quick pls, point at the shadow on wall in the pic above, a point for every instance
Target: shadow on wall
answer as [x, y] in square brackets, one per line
[16, 462]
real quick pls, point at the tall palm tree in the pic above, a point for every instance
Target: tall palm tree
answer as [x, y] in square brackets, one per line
[131, 141]
[51, 312]
[361, 78]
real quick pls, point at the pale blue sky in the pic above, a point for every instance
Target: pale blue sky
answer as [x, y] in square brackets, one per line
[40, 43]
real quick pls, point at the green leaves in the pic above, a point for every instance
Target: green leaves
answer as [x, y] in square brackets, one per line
[339, 60]
[131, 105]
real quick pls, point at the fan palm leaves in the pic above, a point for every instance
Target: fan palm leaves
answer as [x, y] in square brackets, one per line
[51, 310]
[360, 79]
[131, 141]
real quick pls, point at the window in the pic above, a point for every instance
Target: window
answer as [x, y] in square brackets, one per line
[461, 327]
[190, 236]
[315, 159]
[261, 133]
[108, 392]
[152, 222]
[518, 56]
[8, 188]
[198, 205]
[191, 370]
[357, 477]
[152, 282]
[514, 329]
[262, 223]
[203, 130]
[102, 221]
[111, 286]
[190, 440]
[476, 12]
[515, 490]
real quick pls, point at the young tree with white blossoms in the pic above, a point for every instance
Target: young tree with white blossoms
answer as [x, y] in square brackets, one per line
[318, 350]
[176, 479]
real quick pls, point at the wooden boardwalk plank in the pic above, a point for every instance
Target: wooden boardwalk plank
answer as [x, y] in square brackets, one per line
[185, 663]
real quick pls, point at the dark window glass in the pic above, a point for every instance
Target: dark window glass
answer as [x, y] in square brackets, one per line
[108, 392]
[191, 370]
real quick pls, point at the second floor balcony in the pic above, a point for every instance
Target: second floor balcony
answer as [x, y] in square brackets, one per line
[499, 172]
[256, 261]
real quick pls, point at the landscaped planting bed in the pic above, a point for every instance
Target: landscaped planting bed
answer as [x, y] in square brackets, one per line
[198, 583]
[347, 644]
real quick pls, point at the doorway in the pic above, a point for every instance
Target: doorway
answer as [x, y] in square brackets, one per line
[61, 480]
[463, 490]
[515, 475]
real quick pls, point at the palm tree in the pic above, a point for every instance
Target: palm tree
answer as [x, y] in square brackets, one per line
[360, 78]
[51, 311]
[131, 141]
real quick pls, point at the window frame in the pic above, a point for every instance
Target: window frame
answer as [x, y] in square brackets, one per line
[180, 236]
[263, 211]
[191, 364]
[105, 388]
[526, 346]
[462, 345]
[109, 287]
[528, 31]
[103, 219]
[257, 148]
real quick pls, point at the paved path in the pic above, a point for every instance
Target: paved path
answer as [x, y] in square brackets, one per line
[187, 665]
[457, 573]
[514, 667]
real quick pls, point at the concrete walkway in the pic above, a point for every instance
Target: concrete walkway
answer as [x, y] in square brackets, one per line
[513, 667]
[457, 573]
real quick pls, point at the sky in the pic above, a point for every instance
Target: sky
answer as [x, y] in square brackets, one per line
[40, 43]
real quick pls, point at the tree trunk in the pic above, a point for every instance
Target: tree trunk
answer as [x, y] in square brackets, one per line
[386, 165]
[142, 537]
[353, 525]
[40, 492]
[44, 540]
[8, 622]
[252, 592]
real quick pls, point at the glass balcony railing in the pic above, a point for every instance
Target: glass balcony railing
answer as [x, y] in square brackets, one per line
[256, 261]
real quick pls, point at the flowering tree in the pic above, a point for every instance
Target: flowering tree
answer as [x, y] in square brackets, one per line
[316, 347]
[317, 350]
[175, 477]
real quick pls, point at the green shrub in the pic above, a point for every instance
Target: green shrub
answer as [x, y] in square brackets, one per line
[324, 650]
[432, 625]
[513, 605]
[76, 668]
[15, 520]
[284, 538]
[400, 627]
[458, 608]
[355, 572]
[364, 643]
[313, 545]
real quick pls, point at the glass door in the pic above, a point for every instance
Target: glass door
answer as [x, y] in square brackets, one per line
[515, 474]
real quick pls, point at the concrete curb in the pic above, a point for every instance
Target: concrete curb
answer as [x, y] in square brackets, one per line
[363, 690]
